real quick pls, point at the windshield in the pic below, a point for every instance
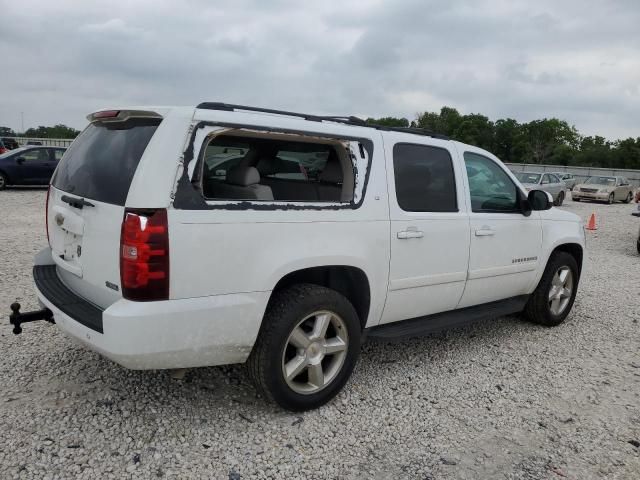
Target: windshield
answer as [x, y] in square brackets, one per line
[609, 181]
[528, 177]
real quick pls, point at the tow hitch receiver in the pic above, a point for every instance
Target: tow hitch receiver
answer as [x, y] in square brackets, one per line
[16, 318]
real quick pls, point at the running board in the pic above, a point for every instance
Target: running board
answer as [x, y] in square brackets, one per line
[440, 321]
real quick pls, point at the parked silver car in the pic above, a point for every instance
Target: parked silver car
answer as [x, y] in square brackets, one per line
[548, 182]
[568, 179]
[604, 189]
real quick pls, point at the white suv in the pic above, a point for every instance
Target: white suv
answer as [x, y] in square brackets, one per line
[188, 237]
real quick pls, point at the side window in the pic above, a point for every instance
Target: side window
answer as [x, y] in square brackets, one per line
[277, 169]
[546, 178]
[490, 187]
[36, 155]
[57, 154]
[424, 178]
[553, 178]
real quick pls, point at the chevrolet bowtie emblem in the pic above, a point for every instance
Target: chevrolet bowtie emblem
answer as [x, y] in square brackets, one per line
[59, 219]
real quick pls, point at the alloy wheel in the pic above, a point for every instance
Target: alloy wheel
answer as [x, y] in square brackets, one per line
[315, 352]
[561, 290]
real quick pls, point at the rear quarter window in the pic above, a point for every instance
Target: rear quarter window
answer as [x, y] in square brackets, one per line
[101, 162]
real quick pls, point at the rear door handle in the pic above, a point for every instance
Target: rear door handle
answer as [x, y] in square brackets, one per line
[485, 231]
[410, 233]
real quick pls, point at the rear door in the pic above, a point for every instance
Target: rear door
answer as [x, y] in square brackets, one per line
[429, 228]
[87, 202]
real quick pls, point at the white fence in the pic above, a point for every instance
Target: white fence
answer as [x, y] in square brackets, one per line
[581, 173]
[49, 142]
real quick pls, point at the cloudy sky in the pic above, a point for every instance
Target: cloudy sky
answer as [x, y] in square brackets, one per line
[578, 60]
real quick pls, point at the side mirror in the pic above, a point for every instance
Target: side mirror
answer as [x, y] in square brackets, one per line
[540, 200]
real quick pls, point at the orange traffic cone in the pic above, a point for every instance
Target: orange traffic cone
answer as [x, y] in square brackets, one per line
[591, 224]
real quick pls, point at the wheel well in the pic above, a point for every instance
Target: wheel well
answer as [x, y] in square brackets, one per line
[349, 281]
[574, 250]
[5, 174]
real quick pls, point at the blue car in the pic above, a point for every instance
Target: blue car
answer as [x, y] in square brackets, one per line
[29, 165]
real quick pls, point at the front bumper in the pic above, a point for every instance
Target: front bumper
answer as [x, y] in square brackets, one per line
[192, 332]
[603, 197]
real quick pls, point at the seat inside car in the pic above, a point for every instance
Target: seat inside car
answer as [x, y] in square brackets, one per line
[242, 182]
[285, 188]
[330, 181]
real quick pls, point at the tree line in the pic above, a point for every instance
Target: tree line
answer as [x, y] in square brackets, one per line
[548, 141]
[57, 131]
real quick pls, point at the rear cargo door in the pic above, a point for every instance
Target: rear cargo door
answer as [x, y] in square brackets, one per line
[87, 202]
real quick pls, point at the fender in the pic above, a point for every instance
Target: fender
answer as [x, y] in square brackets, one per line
[554, 234]
[377, 277]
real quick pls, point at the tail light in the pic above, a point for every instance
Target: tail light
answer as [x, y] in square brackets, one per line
[144, 255]
[46, 214]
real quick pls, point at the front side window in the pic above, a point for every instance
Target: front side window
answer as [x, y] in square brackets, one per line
[490, 187]
[38, 155]
[424, 178]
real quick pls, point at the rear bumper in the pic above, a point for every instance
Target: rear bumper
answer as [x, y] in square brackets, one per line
[184, 333]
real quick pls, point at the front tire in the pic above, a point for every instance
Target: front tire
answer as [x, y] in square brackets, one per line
[560, 199]
[307, 347]
[4, 181]
[629, 198]
[553, 298]
[611, 199]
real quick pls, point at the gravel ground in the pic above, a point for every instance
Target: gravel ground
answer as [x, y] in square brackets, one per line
[499, 399]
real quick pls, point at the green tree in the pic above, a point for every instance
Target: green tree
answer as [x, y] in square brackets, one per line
[543, 136]
[475, 129]
[57, 131]
[7, 132]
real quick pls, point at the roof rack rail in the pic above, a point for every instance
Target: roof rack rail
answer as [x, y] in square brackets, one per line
[347, 120]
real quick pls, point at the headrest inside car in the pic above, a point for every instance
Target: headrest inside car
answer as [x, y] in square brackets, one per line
[243, 176]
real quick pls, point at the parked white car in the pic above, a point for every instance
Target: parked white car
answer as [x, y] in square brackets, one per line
[157, 262]
[548, 182]
[568, 179]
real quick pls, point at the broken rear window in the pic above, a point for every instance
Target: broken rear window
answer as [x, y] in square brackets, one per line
[246, 165]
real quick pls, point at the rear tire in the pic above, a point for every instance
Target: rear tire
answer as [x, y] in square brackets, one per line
[553, 298]
[313, 332]
[560, 199]
[611, 199]
[4, 181]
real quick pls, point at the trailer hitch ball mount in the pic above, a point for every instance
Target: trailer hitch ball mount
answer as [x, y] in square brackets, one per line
[16, 318]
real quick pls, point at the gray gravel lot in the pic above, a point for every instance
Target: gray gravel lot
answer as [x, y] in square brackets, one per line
[500, 399]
